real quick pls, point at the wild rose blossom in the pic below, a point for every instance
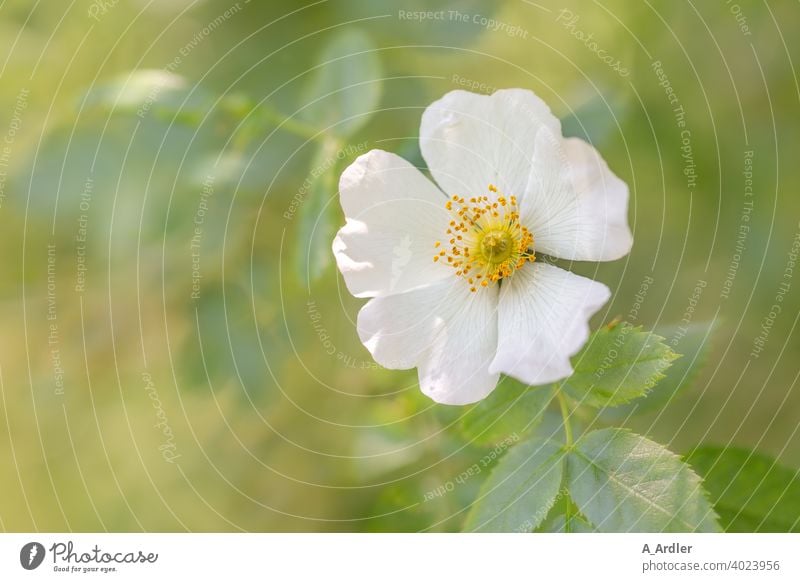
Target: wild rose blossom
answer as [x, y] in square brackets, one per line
[455, 274]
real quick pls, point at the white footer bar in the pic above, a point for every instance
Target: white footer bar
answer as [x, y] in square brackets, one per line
[406, 557]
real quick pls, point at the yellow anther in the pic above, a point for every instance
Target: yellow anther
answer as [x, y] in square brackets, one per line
[487, 241]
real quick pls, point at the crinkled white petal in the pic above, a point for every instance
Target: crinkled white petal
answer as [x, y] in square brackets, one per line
[470, 141]
[543, 320]
[444, 330]
[575, 206]
[394, 217]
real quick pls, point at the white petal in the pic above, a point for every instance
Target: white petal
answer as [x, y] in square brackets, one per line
[544, 320]
[445, 330]
[470, 141]
[394, 217]
[576, 208]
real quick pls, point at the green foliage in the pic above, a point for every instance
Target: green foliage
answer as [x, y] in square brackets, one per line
[575, 524]
[317, 216]
[341, 97]
[510, 409]
[145, 92]
[618, 364]
[521, 489]
[224, 343]
[693, 343]
[596, 114]
[751, 491]
[624, 482]
[557, 521]
[613, 480]
[610, 480]
[118, 164]
[346, 87]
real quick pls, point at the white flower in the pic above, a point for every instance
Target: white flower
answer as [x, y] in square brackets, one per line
[456, 287]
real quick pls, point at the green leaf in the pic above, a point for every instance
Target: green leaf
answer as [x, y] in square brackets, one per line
[577, 524]
[596, 113]
[618, 364]
[556, 521]
[751, 491]
[119, 162]
[693, 343]
[510, 409]
[344, 91]
[521, 489]
[317, 215]
[222, 347]
[623, 482]
[147, 92]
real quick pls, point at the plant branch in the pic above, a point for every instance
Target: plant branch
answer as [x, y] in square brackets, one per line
[565, 415]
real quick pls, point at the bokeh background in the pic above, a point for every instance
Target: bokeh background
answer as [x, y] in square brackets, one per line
[178, 351]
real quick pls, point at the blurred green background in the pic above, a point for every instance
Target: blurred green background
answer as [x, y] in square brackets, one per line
[178, 351]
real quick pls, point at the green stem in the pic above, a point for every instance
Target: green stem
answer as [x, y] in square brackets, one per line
[265, 114]
[565, 414]
[292, 125]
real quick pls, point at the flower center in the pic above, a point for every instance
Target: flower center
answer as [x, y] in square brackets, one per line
[496, 246]
[486, 240]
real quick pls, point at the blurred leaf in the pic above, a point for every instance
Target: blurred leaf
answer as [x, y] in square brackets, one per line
[511, 409]
[597, 115]
[377, 452]
[409, 150]
[223, 345]
[146, 92]
[693, 343]
[120, 163]
[345, 90]
[623, 482]
[400, 509]
[317, 215]
[520, 490]
[751, 491]
[617, 365]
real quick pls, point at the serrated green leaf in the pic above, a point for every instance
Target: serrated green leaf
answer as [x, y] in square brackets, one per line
[511, 409]
[577, 524]
[556, 521]
[617, 365]
[751, 491]
[521, 489]
[317, 216]
[693, 343]
[345, 90]
[623, 482]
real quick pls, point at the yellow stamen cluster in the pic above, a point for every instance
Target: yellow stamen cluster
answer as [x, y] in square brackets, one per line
[485, 240]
